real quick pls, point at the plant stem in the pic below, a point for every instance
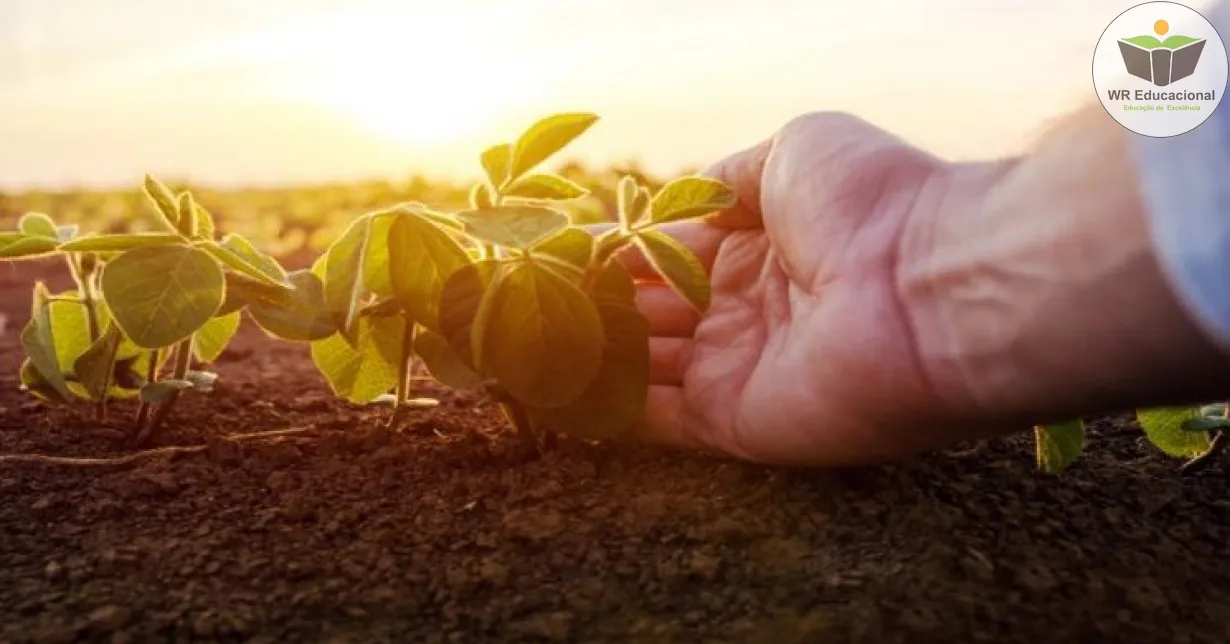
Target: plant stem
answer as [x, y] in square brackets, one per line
[85, 287]
[405, 371]
[151, 375]
[183, 361]
[100, 408]
[406, 367]
[607, 247]
[521, 421]
[90, 299]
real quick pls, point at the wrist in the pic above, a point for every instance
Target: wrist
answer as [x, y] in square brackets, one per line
[1034, 293]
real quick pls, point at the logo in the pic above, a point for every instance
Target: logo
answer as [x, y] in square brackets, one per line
[1160, 45]
[1161, 62]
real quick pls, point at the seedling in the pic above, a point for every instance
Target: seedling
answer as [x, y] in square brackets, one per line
[1199, 434]
[140, 301]
[508, 295]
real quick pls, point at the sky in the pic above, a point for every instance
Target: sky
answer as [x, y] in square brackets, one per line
[246, 92]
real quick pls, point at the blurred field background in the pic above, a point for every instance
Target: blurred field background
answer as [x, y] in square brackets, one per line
[288, 118]
[294, 221]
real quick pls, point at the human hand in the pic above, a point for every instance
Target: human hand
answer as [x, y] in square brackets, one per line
[871, 301]
[805, 354]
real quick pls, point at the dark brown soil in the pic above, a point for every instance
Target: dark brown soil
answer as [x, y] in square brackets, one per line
[448, 531]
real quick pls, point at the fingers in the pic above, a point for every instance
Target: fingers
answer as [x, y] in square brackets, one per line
[743, 172]
[663, 422]
[668, 360]
[701, 238]
[671, 325]
[668, 314]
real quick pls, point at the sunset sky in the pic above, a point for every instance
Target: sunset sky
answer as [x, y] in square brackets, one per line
[96, 92]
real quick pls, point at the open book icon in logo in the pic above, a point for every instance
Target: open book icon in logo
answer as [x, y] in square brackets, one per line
[1161, 62]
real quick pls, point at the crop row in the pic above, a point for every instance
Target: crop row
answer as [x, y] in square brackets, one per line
[509, 295]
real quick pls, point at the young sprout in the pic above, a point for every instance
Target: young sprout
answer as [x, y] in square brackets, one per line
[139, 300]
[1199, 434]
[509, 294]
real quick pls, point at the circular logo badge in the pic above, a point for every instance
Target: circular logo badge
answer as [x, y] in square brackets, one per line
[1160, 69]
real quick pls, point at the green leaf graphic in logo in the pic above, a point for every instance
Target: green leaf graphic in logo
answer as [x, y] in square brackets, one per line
[1159, 61]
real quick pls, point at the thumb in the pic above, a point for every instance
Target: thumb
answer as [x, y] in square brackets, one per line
[742, 171]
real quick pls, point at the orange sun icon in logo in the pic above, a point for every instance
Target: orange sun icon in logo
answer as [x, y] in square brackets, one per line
[1161, 27]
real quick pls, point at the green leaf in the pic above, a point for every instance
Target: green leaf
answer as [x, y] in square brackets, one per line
[240, 246]
[344, 269]
[1058, 445]
[362, 372]
[160, 295]
[70, 328]
[495, 163]
[383, 306]
[205, 227]
[187, 215]
[163, 390]
[545, 186]
[677, 265]
[625, 199]
[318, 267]
[376, 267]
[1206, 424]
[39, 344]
[544, 340]
[94, 368]
[460, 301]
[120, 242]
[616, 397]
[442, 361]
[421, 259]
[480, 197]
[690, 197]
[572, 246]
[482, 319]
[164, 202]
[31, 380]
[239, 264]
[641, 206]
[513, 226]
[298, 315]
[614, 285]
[545, 138]
[1164, 427]
[26, 247]
[443, 220]
[212, 339]
[36, 224]
[240, 290]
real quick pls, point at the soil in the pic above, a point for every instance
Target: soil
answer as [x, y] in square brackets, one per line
[447, 530]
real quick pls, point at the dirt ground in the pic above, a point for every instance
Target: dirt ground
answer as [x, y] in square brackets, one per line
[448, 531]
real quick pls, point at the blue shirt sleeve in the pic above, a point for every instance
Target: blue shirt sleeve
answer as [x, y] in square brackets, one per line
[1185, 184]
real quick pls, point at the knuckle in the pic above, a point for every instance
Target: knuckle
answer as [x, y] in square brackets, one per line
[823, 122]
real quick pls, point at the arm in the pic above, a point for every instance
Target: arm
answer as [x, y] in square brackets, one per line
[1092, 274]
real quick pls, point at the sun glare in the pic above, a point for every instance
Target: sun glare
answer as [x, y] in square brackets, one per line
[419, 86]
